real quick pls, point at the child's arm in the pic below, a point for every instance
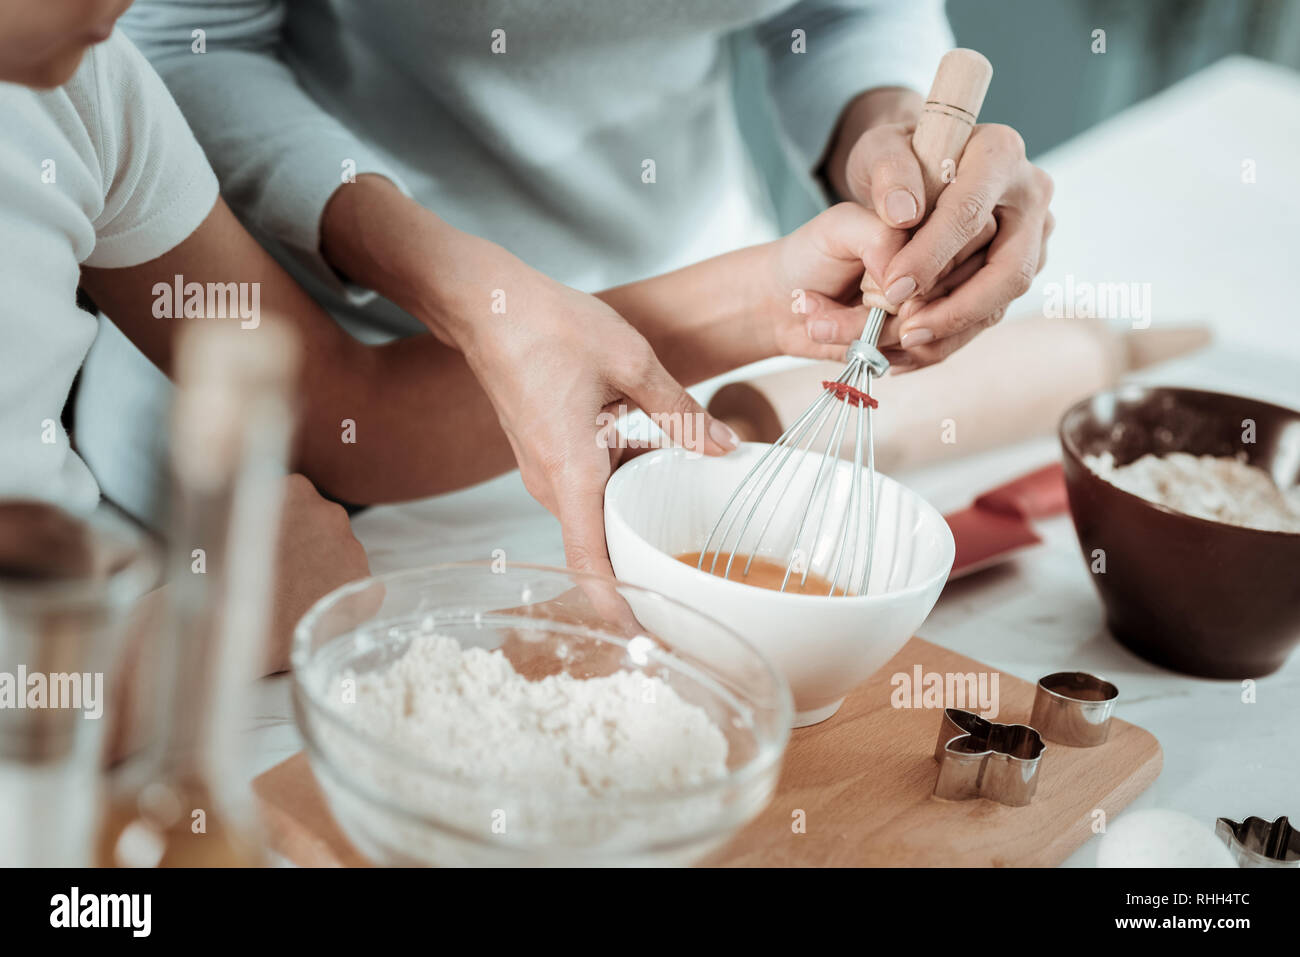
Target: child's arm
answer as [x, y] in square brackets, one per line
[422, 423]
[798, 296]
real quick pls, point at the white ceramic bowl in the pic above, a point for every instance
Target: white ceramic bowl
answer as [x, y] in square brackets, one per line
[665, 503]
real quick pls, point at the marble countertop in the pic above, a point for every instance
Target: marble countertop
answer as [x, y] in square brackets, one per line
[1155, 195]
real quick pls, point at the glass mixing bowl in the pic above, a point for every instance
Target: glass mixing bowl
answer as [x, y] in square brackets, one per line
[403, 806]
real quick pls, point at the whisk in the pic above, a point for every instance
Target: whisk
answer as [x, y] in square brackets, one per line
[947, 119]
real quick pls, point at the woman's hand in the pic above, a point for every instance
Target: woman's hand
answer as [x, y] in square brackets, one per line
[559, 366]
[979, 251]
[981, 246]
[553, 361]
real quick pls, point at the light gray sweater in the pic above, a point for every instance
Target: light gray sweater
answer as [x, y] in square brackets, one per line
[530, 123]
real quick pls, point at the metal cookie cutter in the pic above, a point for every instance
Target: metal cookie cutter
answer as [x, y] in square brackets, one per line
[979, 758]
[1074, 708]
[1256, 842]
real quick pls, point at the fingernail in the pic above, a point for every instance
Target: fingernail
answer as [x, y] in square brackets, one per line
[821, 330]
[900, 289]
[916, 337]
[900, 205]
[721, 433]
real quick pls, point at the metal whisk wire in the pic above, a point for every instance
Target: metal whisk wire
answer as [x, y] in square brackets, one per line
[846, 391]
[945, 125]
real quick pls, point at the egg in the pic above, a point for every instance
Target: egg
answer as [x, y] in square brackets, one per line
[1161, 838]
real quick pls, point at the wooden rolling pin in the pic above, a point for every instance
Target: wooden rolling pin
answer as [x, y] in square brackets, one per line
[1010, 383]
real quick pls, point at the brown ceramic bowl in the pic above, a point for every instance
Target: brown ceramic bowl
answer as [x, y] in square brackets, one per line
[1201, 597]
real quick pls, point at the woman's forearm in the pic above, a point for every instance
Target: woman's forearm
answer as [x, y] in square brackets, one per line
[700, 320]
[379, 238]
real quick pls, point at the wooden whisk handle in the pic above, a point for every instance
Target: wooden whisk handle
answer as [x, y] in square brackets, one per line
[951, 111]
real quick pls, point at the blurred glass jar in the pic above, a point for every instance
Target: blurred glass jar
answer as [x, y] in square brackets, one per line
[67, 588]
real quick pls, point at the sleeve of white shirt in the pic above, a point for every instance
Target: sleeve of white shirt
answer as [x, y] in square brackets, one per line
[850, 46]
[278, 154]
[158, 186]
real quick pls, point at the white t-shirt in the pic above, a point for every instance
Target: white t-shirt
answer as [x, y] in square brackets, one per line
[102, 171]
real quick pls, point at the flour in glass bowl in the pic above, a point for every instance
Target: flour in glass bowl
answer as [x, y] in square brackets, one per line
[536, 753]
[1220, 489]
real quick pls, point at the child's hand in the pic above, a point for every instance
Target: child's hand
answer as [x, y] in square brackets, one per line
[316, 552]
[39, 541]
[816, 278]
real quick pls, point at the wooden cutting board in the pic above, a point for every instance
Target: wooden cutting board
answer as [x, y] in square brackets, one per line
[859, 786]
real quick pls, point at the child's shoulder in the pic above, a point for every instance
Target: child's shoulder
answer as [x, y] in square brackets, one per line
[156, 182]
[113, 85]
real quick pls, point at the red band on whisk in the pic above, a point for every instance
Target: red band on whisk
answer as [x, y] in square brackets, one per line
[846, 393]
